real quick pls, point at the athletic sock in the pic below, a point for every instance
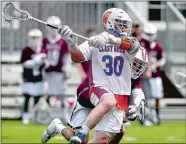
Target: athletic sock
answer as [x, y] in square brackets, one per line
[84, 129]
[157, 111]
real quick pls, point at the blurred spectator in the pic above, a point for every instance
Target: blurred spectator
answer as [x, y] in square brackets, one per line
[33, 62]
[59, 63]
[136, 31]
[157, 60]
[84, 67]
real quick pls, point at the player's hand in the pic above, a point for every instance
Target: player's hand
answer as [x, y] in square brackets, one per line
[67, 34]
[130, 44]
[148, 74]
[131, 113]
[46, 64]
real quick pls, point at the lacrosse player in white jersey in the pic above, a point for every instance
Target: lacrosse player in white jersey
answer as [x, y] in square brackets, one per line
[84, 106]
[110, 53]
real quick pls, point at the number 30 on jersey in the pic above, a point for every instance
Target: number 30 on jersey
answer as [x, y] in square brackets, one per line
[113, 65]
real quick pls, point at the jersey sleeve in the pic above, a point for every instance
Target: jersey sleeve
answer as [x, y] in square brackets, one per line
[160, 51]
[86, 50]
[161, 56]
[24, 55]
[137, 83]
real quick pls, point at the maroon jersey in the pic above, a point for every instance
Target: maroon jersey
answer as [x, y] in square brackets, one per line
[86, 66]
[28, 76]
[137, 83]
[155, 52]
[55, 53]
[83, 96]
[83, 89]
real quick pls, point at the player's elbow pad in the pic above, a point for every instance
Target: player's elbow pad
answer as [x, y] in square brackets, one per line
[77, 57]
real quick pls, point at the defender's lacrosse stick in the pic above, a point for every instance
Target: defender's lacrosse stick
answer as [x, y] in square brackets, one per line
[180, 79]
[142, 111]
[10, 12]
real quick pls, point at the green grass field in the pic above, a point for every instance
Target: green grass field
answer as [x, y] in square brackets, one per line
[167, 132]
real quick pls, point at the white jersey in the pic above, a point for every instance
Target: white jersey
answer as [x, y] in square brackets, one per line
[110, 67]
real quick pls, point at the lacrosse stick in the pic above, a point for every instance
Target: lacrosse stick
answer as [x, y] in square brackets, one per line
[10, 12]
[142, 111]
[180, 79]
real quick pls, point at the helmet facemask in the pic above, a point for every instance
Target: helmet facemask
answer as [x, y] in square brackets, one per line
[150, 32]
[139, 63]
[122, 28]
[151, 37]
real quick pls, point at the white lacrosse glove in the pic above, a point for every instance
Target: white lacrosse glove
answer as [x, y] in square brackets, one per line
[39, 58]
[102, 39]
[67, 34]
[131, 113]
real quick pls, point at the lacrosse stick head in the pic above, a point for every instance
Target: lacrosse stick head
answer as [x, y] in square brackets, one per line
[180, 79]
[10, 12]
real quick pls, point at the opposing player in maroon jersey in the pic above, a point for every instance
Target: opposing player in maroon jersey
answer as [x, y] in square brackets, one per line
[59, 61]
[33, 62]
[137, 32]
[156, 61]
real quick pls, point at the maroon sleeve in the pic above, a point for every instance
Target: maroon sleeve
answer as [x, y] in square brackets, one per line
[160, 51]
[65, 47]
[25, 55]
[43, 50]
[137, 83]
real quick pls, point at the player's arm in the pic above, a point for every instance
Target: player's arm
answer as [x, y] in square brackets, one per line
[161, 62]
[81, 71]
[67, 65]
[137, 91]
[78, 53]
[148, 72]
[31, 63]
[129, 44]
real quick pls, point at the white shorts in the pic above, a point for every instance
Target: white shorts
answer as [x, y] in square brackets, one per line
[156, 87]
[111, 123]
[33, 89]
[56, 84]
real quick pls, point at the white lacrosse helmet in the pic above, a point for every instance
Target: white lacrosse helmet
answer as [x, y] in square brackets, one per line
[55, 21]
[139, 63]
[150, 31]
[117, 21]
[35, 39]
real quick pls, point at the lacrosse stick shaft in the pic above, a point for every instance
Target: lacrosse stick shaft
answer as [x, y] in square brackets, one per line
[40, 21]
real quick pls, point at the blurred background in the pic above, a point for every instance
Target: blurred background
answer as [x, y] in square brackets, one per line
[168, 17]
